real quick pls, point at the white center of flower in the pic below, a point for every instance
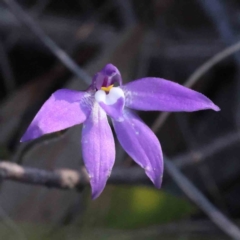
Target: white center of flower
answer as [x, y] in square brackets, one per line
[114, 94]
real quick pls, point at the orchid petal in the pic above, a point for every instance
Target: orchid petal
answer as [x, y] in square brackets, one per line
[63, 109]
[112, 103]
[98, 149]
[106, 77]
[141, 144]
[156, 94]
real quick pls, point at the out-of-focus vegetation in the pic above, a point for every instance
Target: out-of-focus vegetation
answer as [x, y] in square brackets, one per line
[136, 207]
[161, 38]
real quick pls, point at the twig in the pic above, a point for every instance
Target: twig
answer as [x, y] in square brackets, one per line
[202, 154]
[66, 178]
[216, 11]
[197, 75]
[36, 11]
[198, 198]
[52, 46]
[63, 179]
[187, 187]
[207, 151]
[203, 168]
[71, 179]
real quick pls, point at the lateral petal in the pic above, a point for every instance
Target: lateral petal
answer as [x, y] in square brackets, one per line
[98, 149]
[141, 144]
[63, 109]
[156, 94]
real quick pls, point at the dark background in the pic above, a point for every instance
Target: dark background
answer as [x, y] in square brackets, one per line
[162, 38]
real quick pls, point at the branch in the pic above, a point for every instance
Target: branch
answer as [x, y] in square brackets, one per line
[187, 187]
[207, 151]
[196, 75]
[61, 178]
[49, 43]
[67, 178]
[71, 179]
[201, 201]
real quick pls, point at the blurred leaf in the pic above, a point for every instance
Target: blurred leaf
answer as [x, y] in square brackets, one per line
[134, 207]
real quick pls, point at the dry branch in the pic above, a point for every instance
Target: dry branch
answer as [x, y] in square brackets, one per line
[66, 178]
[25, 19]
[207, 151]
[222, 221]
[61, 178]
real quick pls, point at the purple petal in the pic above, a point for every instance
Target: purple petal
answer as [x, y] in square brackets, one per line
[112, 103]
[156, 94]
[106, 77]
[115, 110]
[98, 149]
[63, 109]
[141, 144]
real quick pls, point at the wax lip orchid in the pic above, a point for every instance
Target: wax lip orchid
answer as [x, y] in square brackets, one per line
[107, 96]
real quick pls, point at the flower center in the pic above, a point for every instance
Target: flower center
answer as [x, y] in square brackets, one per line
[111, 97]
[111, 102]
[107, 89]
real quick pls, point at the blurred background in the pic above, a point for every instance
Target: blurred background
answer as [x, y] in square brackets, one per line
[162, 38]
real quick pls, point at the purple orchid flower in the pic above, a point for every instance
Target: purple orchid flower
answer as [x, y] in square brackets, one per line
[66, 108]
